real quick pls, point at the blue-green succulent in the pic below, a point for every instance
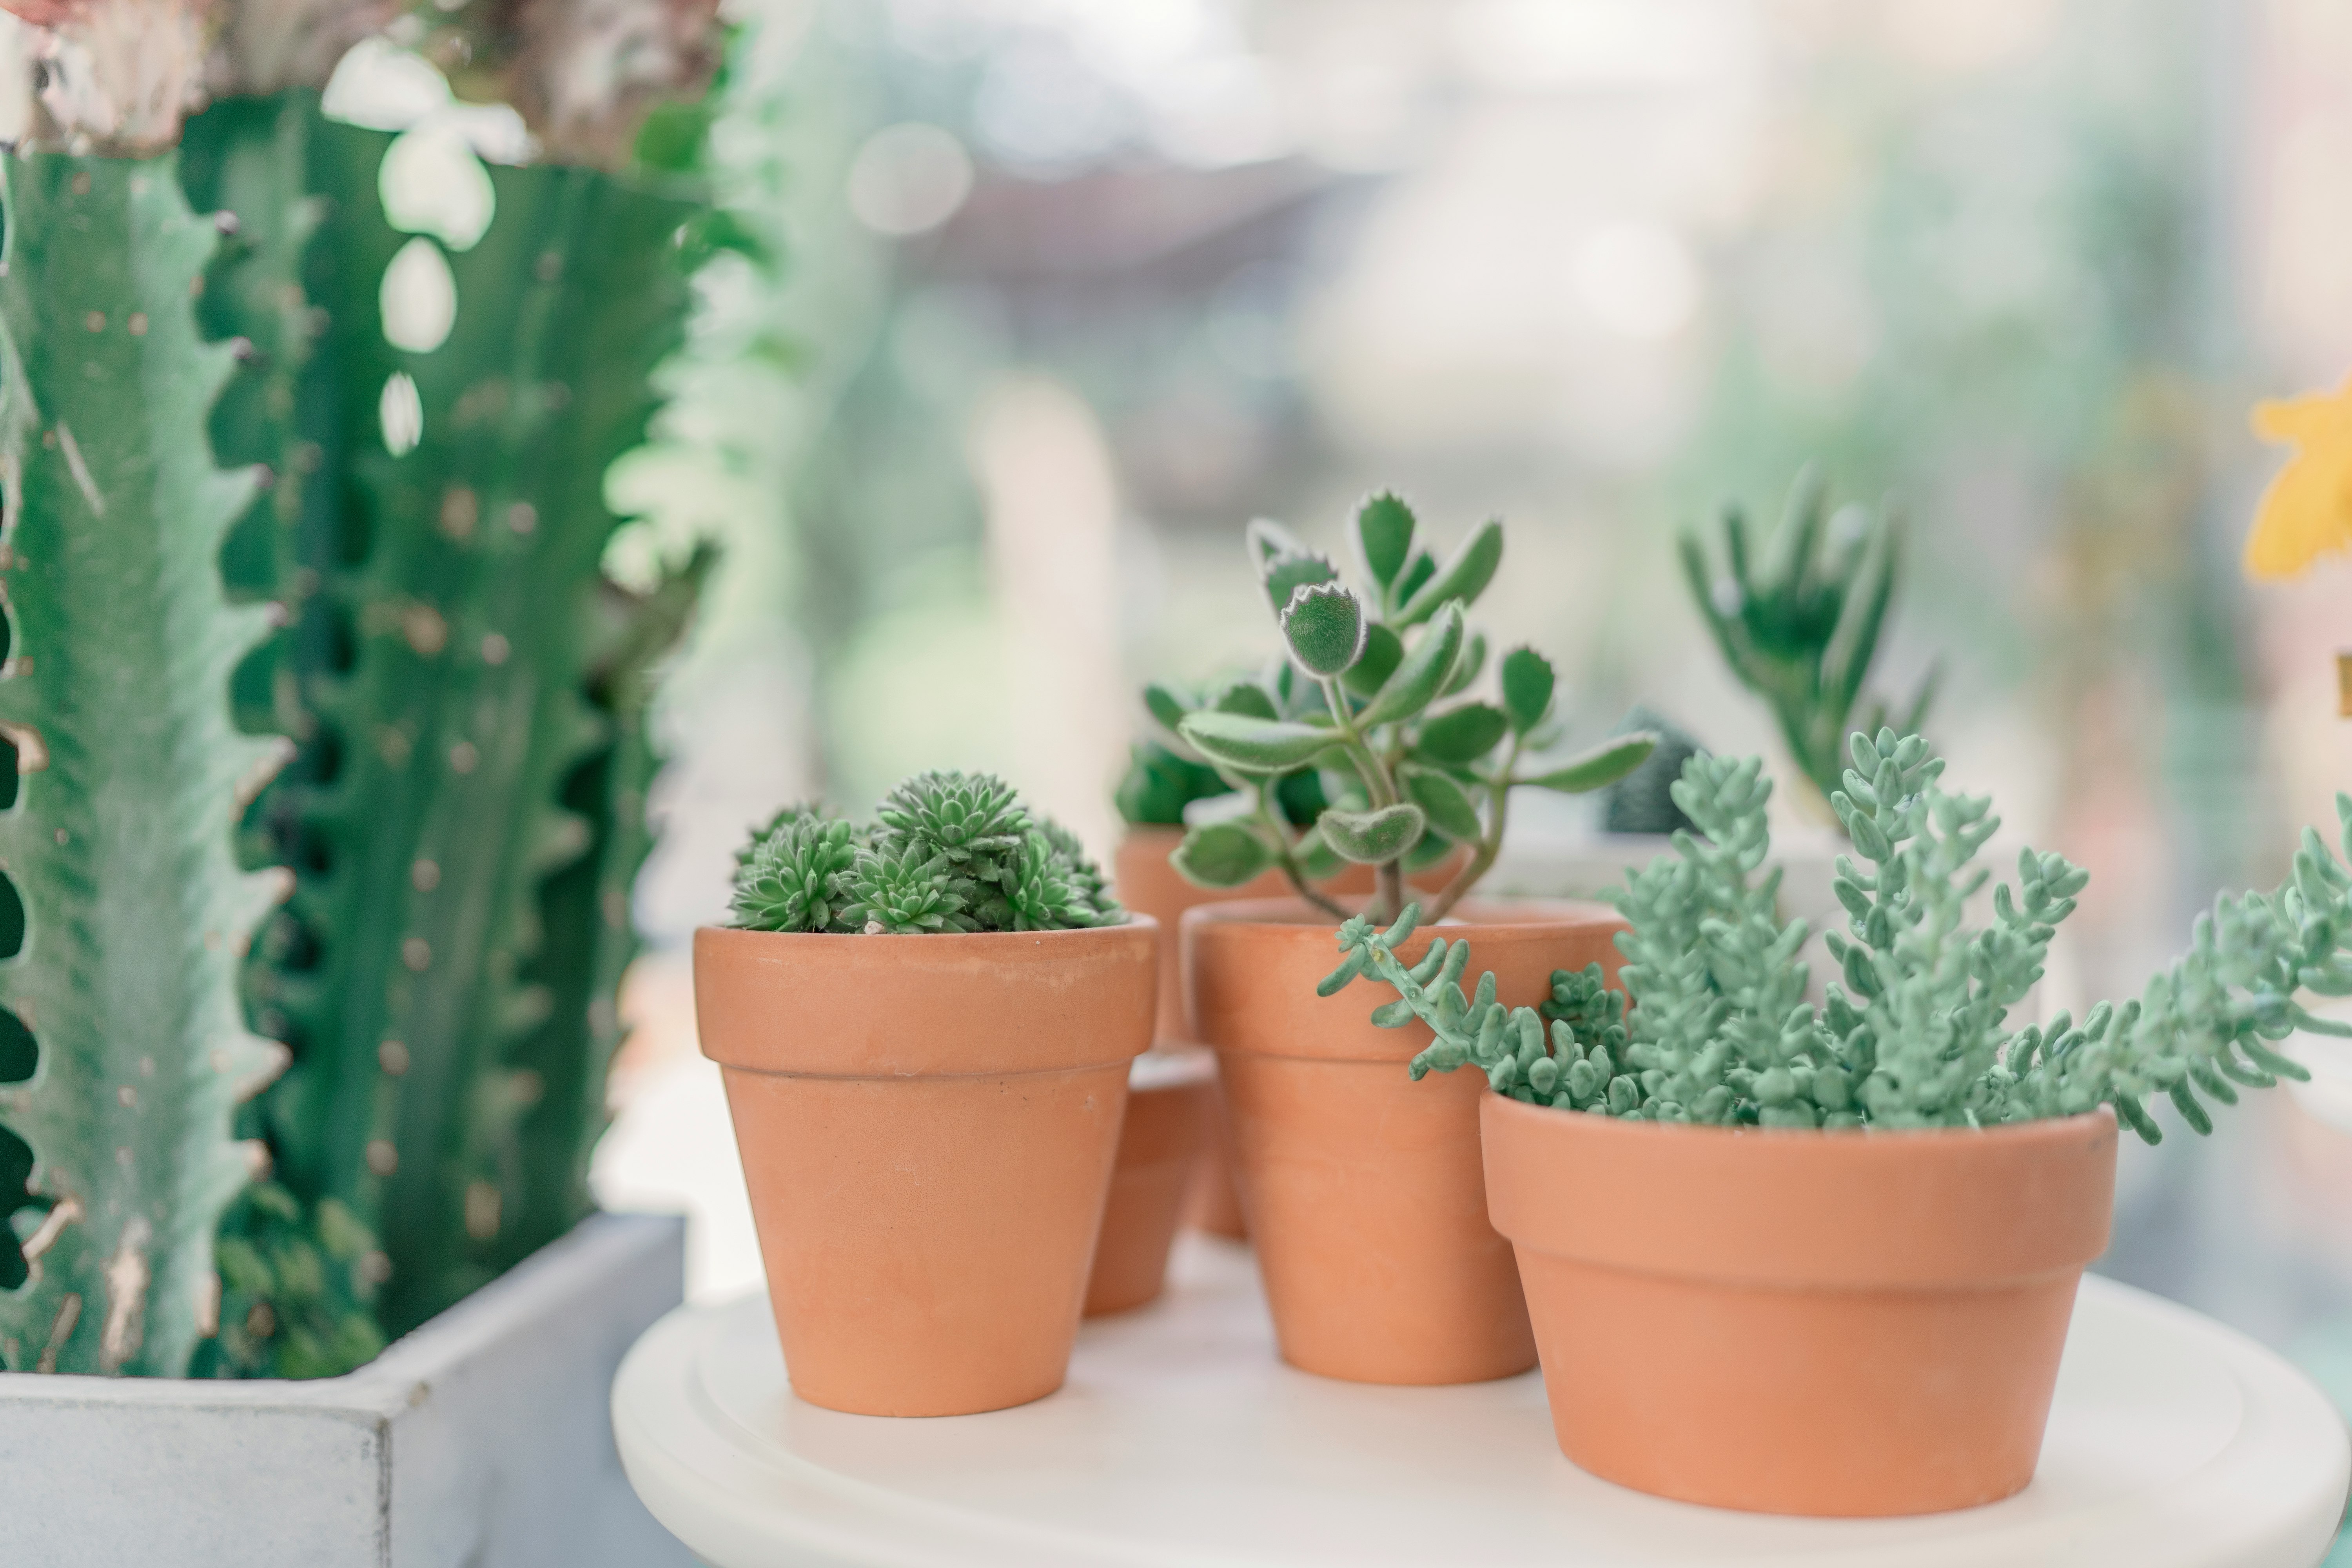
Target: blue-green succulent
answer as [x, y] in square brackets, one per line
[1914, 1031]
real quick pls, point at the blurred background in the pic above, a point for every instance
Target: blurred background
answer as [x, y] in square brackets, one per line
[1058, 293]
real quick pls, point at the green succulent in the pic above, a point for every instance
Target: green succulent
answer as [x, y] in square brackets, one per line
[974, 819]
[1915, 1034]
[1160, 784]
[1800, 627]
[1046, 891]
[790, 877]
[953, 852]
[903, 889]
[1373, 702]
[789, 812]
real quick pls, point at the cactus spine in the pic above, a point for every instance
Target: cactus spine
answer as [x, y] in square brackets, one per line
[134, 915]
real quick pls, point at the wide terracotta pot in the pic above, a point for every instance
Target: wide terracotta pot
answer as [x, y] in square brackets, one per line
[1365, 1192]
[927, 1126]
[1828, 1323]
[1172, 1096]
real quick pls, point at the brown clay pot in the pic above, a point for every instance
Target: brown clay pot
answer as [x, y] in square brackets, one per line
[927, 1125]
[1170, 1103]
[1825, 1323]
[1366, 1195]
[1145, 882]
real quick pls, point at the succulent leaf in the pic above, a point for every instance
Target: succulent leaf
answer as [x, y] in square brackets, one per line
[1464, 577]
[1385, 528]
[1165, 706]
[1418, 679]
[1256, 745]
[1462, 734]
[1285, 575]
[1221, 854]
[1325, 625]
[1448, 804]
[1603, 765]
[1383, 651]
[1528, 681]
[1373, 837]
[1269, 541]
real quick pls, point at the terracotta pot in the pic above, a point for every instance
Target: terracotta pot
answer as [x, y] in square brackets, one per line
[1144, 881]
[1364, 1189]
[927, 1126]
[1170, 1101]
[1828, 1323]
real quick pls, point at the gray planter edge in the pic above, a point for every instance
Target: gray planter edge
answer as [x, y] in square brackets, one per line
[481, 1440]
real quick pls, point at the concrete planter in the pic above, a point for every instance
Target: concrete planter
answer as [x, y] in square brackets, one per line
[481, 1440]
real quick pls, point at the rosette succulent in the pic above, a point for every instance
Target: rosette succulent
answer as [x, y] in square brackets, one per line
[790, 877]
[1374, 702]
[949, 852]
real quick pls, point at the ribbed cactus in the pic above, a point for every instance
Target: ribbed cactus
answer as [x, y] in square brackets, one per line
[465, 691]
[462, 823]
[129, 775]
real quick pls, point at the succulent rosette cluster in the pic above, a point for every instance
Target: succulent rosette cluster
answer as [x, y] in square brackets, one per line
[947, 852]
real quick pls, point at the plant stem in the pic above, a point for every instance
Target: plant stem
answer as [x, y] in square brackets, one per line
[1490, 844]
[1387, 878]
[1285, 854]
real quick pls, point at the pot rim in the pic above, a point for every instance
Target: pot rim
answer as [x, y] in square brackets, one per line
[947, 1004]
[1620, 1127]
[1827, 1211]
[1521, 914]
[1135, 918]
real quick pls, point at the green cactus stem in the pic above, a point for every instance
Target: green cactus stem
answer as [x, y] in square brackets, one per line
[452, 703]
[134, 915]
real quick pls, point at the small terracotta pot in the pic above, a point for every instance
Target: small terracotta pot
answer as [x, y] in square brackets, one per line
[1826, 1323]
[927, 1125]
[1145, 882]
[1170, 1103]
[1365, 1192]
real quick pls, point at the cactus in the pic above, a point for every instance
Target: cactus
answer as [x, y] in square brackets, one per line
[130, 777]
[467, 693]
[1410, 779]
[473, 758]
[1801, 628]
[1719, 1030]
[951, 852]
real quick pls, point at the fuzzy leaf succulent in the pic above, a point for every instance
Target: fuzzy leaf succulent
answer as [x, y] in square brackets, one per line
[1915, 1033]
[1373, 698]
[949, 852]
[1800, 627]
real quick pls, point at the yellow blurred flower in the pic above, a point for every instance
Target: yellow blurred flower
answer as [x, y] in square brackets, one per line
[2308, 510]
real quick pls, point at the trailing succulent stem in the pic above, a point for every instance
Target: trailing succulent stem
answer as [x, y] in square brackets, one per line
[1408, 781]
[1916, 1033]
[126, 913]
[1800, 627]
[951, 852]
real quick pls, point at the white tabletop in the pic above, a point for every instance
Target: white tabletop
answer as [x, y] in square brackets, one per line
[1180, 1439]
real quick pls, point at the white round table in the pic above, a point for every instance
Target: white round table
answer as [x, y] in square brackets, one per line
[1180, 1439]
